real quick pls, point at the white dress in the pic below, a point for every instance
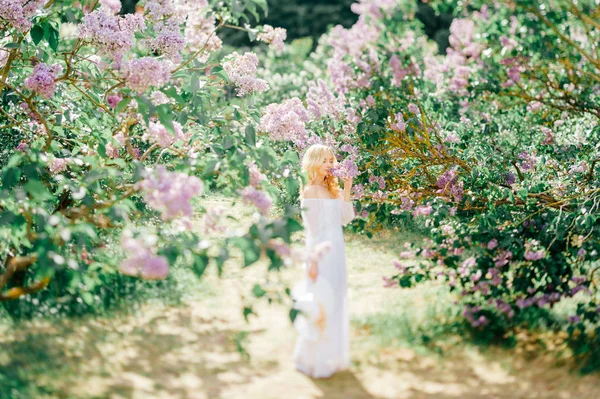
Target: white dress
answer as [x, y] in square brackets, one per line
[321, 355]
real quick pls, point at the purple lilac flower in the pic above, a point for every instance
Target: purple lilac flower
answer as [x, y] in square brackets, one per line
[18, 13]
[388, 282]
[285, 121]
[200, 33]
[241, 70]
[168, 41]
[113, 100]
[398, 71]
[274, 36]
[170, 192]
[212, 220]
[346, 168]
[42, 79]
[448, 184]
[142, 73]
[22, 146]
[259, 199]
[58, 165]
[510, 178]
[322, 102]
[493, 243]
[414, 109]
[157, 133]
[549, 139]
[424, 210]
[112, 35]
[142, 260]
[112, 6]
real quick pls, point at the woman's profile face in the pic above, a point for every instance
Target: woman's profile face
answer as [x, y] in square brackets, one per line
[327, 165]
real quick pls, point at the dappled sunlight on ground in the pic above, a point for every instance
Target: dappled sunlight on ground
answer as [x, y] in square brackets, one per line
[189, 351]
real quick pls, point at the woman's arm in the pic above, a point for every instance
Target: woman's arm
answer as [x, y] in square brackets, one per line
[348, 189]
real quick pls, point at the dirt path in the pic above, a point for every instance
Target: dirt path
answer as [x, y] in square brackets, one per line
[189, 351]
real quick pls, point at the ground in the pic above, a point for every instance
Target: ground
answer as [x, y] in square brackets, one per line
[189, 350]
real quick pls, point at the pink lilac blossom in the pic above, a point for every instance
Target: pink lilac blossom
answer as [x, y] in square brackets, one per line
[58, 165]
[212, 220]
[373, 8]
[388, 282]
[414, 108]
[581, 167]
[528, 161]
[346, 168]
[285, 121]
[549, 139]
[398, 71]
[113, 100]
[358, 190]
[321, 102]
[112, 6]
[256, 176]
[19, 13]
[112, 35]
[22, 146]
[354, 40]
[399, 125]
[159, 98]
[341, 75]
[142, 260]
[448, 184]
[534, 106]
[158, 133]
[200, 34]
[170, 192]
[42, 79]
[258, 198]
[470, 312]
[422, 210]
[493, 243]
[142, 73]
[168, 40]
[461, 37]
[274, 37]
[241, 70]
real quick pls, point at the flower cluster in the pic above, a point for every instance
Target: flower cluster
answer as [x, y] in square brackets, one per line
[42, 79]
[346, 168]
[112, 6]
[241, 70]
[112, 35]
[448, 184]
[58, 165]
[158, 133]
[274, 36]
[141, 258]
[18, 13]
[170, 192]
[256, 176]
[258, 198]
[142, 73]
[285, 121]
[321, 102]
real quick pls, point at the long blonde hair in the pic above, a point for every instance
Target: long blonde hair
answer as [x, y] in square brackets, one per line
[313, 159]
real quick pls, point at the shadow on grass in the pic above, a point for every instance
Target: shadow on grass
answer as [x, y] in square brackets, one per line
[174, 353]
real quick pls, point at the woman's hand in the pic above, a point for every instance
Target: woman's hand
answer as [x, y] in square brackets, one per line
[313, 271]
[347, 182]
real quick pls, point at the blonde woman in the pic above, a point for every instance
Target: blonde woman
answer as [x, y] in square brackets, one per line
[325, 209]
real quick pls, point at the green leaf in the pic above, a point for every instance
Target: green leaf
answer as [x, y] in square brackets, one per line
[122, 104]
[250, 135]
[249, 249]
[194, 83]
[220, 72]
[37, 34]
[247, 312]
[11, 45]
[200, 263]
[166, 117]
[53, 38]
[293, 314]
[258, 291]
[37, 190]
